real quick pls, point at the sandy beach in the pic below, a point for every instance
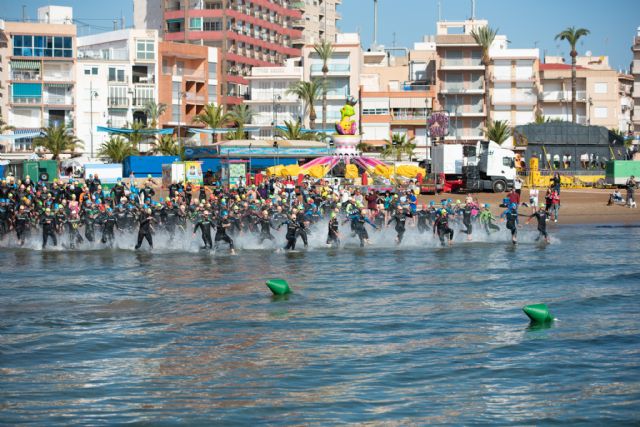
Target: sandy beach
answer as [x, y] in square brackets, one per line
[577, 206]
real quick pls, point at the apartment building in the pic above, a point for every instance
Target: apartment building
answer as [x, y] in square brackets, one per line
[4, 72]
[117, 75]
[271, 104]
[635, 72]
[187, 81]
[514, 83]
[247, 33]
[318, 22]
[343, 78]
[596, 91]
[41, 72]
[625, 88]
[460, 79]
[397, 95]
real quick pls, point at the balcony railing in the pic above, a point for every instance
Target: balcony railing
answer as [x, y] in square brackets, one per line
[409, 116]
[192, 97]
[460, 87]
[517, 99]
[141, 102]
[563, 96]
[58, 77]
[26, 75]
[115, 81]
[461, 63]
[26, 100]
[333, 68]
[58, 100]
[117, 102]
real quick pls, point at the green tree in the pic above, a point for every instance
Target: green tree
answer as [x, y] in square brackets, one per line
[324, 50]
[484, 36]
[308, 93]
[116, 149]
[4, 127]
[57, 139]
[240, 115]
[154, 111]
[294, 131]
[572, 35]
[213, 117]
[167, 145]
[498, 131]
[137, 137]
[398, 145]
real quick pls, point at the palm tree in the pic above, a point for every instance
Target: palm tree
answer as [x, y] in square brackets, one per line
[398, 145]
[116, 149]
[56, 140]
[498, 131]
[572, 35]
[212, 116]
[166, 145]
[4, 127]
[324, 50]
[136, 138]
[154, 111]
[484, 36]
[294, 131]
[240, 115]
[308, 92]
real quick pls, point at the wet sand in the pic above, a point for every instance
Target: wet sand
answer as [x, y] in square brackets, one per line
[584, 206]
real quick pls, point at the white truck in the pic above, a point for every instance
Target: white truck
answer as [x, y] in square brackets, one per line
[480, 167]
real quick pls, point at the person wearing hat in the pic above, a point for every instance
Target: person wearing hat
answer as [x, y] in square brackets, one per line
[631, 189]
[222, 224]
[441, 227]
[109, 224]
[511, 216]
[49, 225]
[487, 218]
[400, 218]
[146, 227]
[22, 224]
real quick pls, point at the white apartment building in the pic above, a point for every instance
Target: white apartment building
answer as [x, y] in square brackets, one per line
[625, 88]
[269, 100]
[343, 78]
[514, 81]
[635, 72]
[116, 78]
[319, 21]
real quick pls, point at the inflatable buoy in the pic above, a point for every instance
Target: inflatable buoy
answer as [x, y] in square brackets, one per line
[278, 286]
[538, 313]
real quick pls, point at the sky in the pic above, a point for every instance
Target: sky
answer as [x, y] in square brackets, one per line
[527, 24]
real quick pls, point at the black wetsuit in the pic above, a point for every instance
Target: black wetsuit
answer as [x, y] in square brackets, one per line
[400, 219]
[466, 219]
[144, 232]
[332, 235]
[512, 222]
[541, 216]
[73, 227]
[204, 224]
[89, 221]
[292, 234]
[22, 225]
[265, 229]
[109, 223]
[221, 232]
[441, 226]
[49, 225]
[423, 217]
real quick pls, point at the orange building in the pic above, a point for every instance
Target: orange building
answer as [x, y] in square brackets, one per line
[188, 80]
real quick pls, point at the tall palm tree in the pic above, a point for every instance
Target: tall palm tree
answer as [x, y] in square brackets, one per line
[498, 131]
[153, 112]
[57, 139]
[484, 36]
[308, 93]
[166, 145]
[4, 127]
[324, 50]
[240, 115]
[293, 131]
[116, 149]
[572, 35]
[398, 145]
[137, 137]
[212, 116]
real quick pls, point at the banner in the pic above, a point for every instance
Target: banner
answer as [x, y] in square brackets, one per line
[193, 172]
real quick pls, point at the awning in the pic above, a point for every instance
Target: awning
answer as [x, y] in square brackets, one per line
[223, 130]
[63, 85]
[141, 131]
[20, 134]
[25, 65]
[173, 21]
[326, 131]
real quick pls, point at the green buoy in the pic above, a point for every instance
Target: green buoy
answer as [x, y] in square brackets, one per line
[278, 286]
[538, 313]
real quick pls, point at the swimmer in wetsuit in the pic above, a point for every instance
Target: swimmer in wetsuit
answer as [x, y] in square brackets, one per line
[541, 215]
[441, 227]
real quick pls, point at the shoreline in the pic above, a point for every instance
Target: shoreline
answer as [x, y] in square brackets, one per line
[577, 206]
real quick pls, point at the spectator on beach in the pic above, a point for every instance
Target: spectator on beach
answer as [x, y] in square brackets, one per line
[632, 184]
[555, 182]
[514, 197]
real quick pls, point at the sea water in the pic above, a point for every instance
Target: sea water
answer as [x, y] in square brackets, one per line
[391, 335]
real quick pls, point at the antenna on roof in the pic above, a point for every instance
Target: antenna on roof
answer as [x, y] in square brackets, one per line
[375, 23]
[473, 10]
[439, 10]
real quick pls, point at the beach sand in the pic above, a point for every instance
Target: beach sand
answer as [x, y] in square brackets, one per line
[577, 206]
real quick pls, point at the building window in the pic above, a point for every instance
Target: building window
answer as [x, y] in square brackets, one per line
[212, 25]
[145, 49]
[43, 46]
[116, 75]
[195, 24]
[91, 71]
[600, 88]
[175, 113]
[213, 93]
[166, 67]
[87, 71]
[213, 70]
[601, 112]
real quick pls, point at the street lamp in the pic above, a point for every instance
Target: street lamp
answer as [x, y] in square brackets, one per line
[181, 94]
[92, 94]
[275, 106]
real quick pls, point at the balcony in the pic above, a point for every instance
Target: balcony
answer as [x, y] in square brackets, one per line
[409, 117]
[193, 74]
[520, 99]
[120, 81]
[105, 54]
[26, 75]
[57, 100]
[192, 98]
[460, 88]
[461, 64]
[562, 96]
[58, 76]
[465, 110]
[26, 100]
[117, 102]
[141, 102]
[334, 69]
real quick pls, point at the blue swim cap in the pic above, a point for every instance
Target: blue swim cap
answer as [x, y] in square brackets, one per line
[225, 213]
[487, 205]
[108, 209]
[431, 203]
[513, 206]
